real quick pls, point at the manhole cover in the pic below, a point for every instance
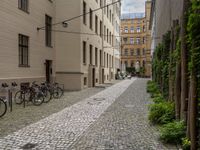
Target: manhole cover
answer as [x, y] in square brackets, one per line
[99, 99]
[29, 146]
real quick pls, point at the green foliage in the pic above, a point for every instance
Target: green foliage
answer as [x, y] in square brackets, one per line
[173, 132]
[152, 88]
[186, 143]
[158, 99]
[130, 69]
[161, 113]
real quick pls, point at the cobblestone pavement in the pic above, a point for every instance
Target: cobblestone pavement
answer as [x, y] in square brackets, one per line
[124, 125]
[21, 117]
[61, 129]
[114, 119]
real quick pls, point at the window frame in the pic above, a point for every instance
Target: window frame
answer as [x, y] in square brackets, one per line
[23, 45]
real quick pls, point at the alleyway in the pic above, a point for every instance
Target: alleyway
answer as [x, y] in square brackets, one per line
[115, 118]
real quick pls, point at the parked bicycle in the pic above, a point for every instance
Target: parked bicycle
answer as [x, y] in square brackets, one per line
[30, 94]
[3, 102]
[55, 90]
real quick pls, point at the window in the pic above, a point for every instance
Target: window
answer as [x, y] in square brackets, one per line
[85, 80]
[126, 29]
[107, 11]
[110, 37]
[84, 52]
[91, 47]
[84, 12]
[138, 52]
[96, 24]
[104, 7]
[110, 16]
[23, 5]
[132, 52]
[100, 59]
[101, 4]
[138, 40]
[138, 29]
[101, 31]
[125, 39]
[143, 51]
[126, 52]
[23, 50]
[107, 60]
[131, 40]
[143, 40]
[48, 32]
[91, 18]
[132, 29]
[96, 56]
[107, 35]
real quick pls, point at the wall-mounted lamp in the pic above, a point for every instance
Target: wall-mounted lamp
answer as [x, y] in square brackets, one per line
[64, 24]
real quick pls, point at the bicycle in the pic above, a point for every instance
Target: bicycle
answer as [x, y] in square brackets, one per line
[3, 102]
[54, 89]
[30, 94]
[3, 106]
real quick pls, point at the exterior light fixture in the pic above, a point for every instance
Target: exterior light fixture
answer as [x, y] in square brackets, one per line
[64, 24]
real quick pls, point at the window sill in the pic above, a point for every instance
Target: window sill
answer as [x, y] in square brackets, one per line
[49, 46]
[24, 10]
[24, 66]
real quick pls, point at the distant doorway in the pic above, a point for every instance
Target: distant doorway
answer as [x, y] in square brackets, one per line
[93, 77]
[103, 76]
[48, 70]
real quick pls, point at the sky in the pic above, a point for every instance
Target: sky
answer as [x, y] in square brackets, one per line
[133, 6]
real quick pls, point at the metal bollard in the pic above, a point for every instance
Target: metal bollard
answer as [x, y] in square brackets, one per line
[10, 100]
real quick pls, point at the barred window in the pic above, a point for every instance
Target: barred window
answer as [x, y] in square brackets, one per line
[23, 50]
[23, 5]
[48, 32]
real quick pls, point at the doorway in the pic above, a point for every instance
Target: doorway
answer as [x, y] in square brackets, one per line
[103, 76]
[93, 77]
[48, 70]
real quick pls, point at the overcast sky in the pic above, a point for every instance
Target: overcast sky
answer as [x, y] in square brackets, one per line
[133, 6]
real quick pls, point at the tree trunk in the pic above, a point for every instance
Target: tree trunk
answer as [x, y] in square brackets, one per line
[193, 111]
[184, 71]
[178, 89]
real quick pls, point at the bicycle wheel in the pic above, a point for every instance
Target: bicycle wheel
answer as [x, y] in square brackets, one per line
[38, 99]
[58, 92]
[18, 97]
[47, 96]
[3, 108]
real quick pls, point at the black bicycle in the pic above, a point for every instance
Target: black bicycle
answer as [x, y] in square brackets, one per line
[3, 106]
[30, 94]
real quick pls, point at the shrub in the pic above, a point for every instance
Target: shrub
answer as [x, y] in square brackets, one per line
[152, 88]
[186, 143]
[158, 98]
[161, 113]
[172, 132]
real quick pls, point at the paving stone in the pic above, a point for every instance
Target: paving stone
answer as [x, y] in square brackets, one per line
[53, 131]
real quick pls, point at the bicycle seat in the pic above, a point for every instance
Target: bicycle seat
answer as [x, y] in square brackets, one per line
[14, 84]
[4, 85]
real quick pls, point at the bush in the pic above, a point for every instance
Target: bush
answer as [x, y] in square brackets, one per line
[152, 88]
[173, 132]
[161, 113]
[158, 98]
[186, 143]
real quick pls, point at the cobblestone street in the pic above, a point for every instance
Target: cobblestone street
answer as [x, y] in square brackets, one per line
[112, 119]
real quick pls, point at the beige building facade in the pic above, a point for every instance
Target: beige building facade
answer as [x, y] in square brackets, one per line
[36, 43]
[136, 41]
